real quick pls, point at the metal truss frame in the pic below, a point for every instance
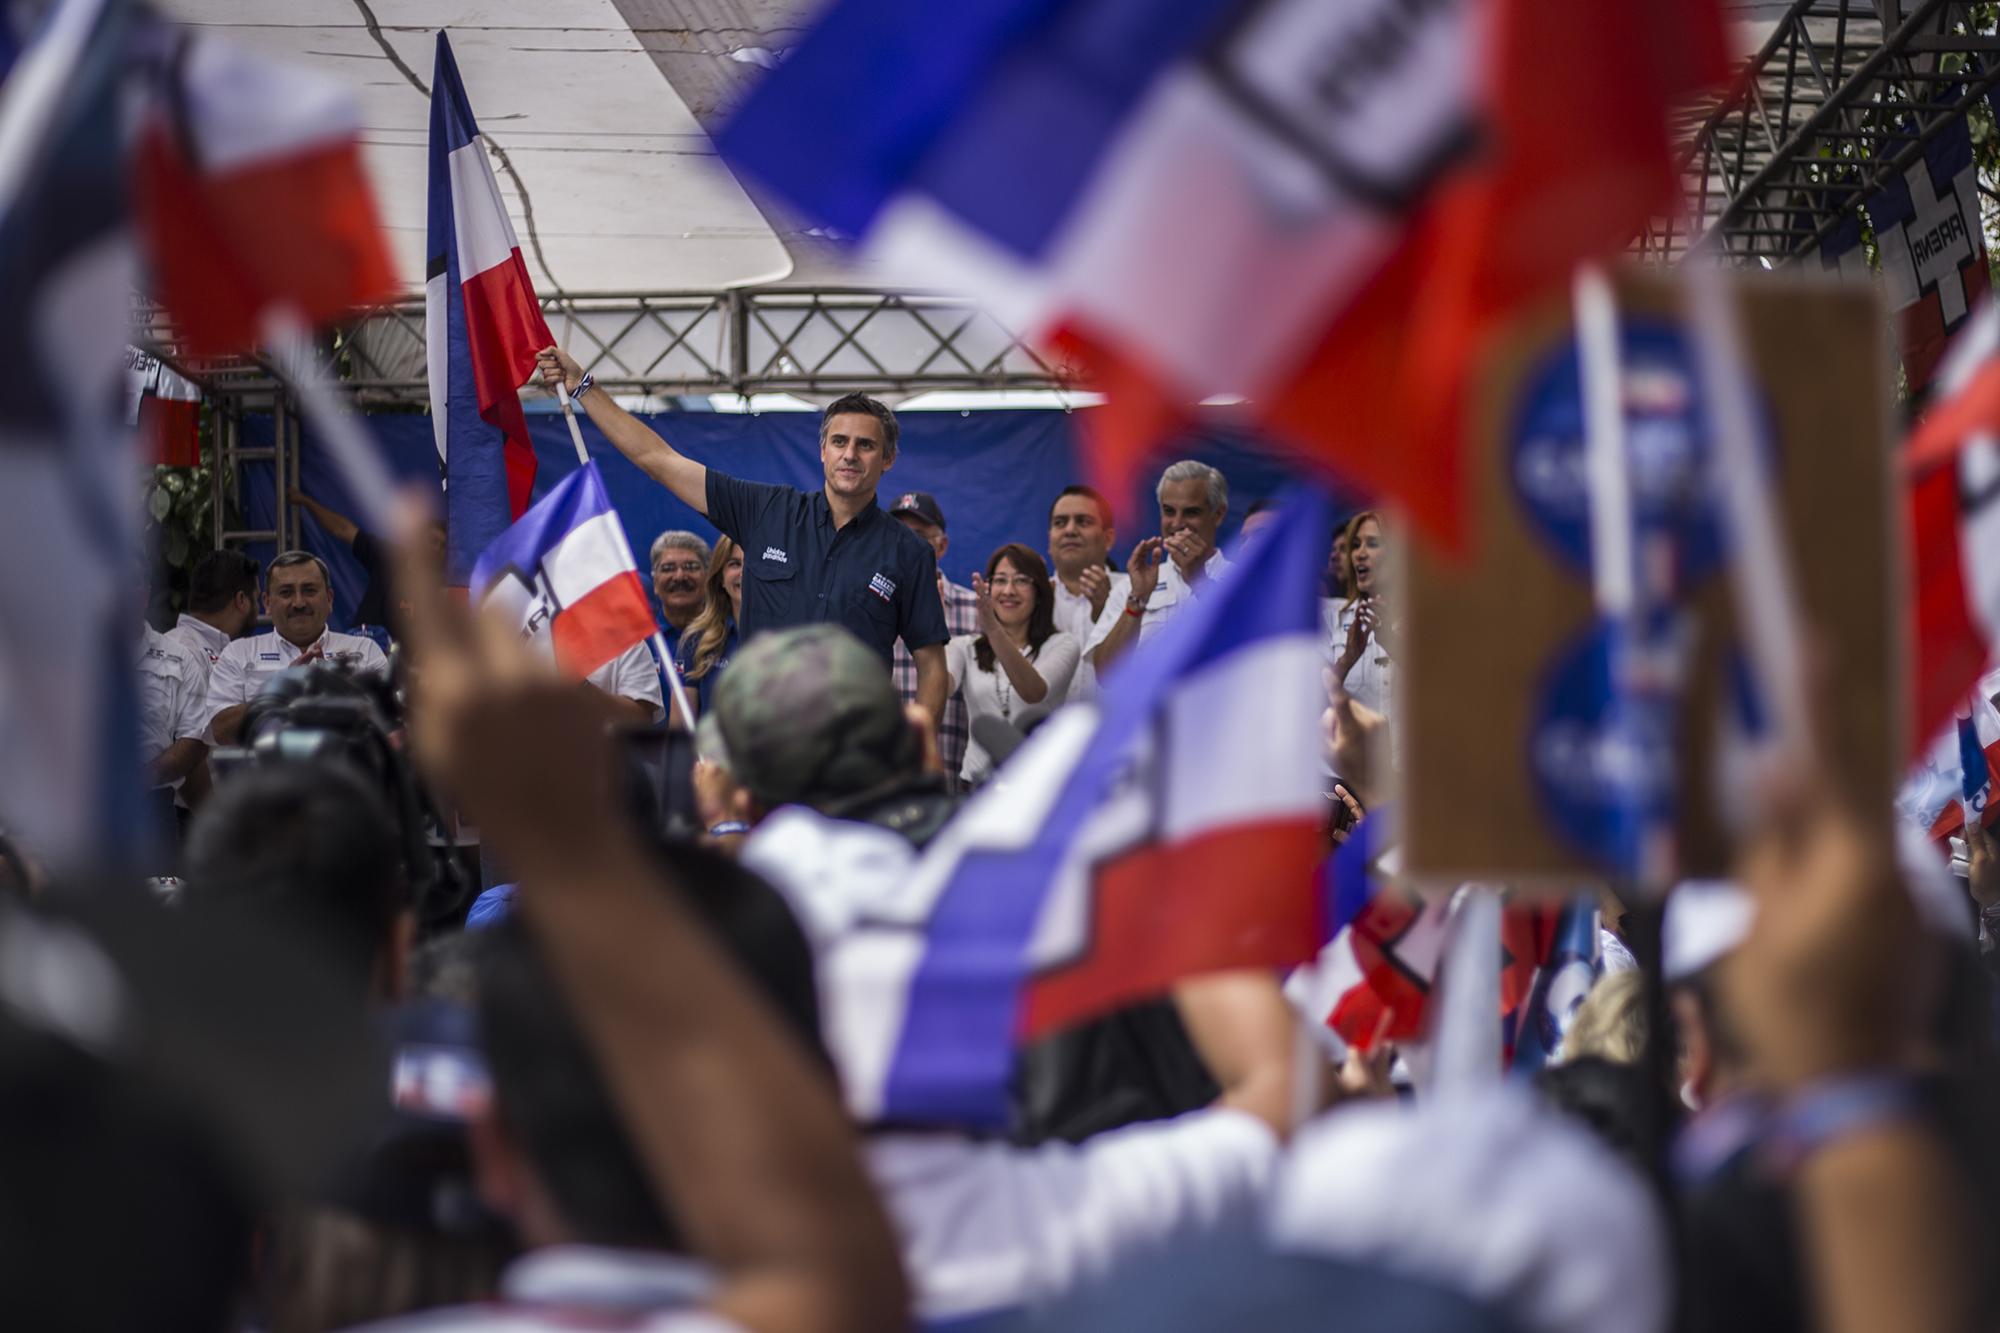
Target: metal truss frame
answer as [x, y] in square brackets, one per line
[1843, 95]
[813, 342]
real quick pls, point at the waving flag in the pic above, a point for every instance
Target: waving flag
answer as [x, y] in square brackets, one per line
[68, 505]
[1175, 833]
[566, 573]
[1932, 246]
[251, 192]
[1252, 197]
[1562, 978]
[1955, 776]
[1952, 498]
[483, 327]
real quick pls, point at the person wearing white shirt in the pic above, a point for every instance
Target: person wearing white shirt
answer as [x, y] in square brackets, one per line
[221, 604]
[632, 679]
[298, 597]
[1166, 570]
[1086, 588]
[173, 696]
[1019, 666]
[1359, 642]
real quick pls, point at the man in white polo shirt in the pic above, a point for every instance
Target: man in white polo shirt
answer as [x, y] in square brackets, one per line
[1169, 570]
[298, 597]
[1088, 592]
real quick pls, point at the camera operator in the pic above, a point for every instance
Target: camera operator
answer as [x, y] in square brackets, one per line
[298, 597]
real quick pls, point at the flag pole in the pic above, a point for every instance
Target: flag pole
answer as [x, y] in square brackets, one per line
[569, 416]
[670, 672]
[359, 461]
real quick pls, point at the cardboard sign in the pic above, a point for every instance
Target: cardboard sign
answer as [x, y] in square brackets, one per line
[1500, 768]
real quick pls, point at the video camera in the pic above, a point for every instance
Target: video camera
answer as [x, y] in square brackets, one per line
[328, 713]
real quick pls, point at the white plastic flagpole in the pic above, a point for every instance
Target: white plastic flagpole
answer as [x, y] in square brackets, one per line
[670, 672]
[1613, 560]
[1760, 565]
[569, 416]
[360, 463]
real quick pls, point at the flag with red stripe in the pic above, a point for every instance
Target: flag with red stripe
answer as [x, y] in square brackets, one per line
[250, 193]
[565, 574]
[1952, 499]
[483, 327]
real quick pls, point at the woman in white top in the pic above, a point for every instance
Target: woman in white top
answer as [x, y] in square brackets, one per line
[1362, 644]
[1019, 666]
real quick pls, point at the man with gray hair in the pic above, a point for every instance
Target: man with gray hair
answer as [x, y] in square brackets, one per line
[298, 598]
[680, 579]
[1165, 570]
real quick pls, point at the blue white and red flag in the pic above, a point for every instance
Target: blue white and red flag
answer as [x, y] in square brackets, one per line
[566, 574]
[1279, 199]
[1954, 781]
[250, 192]
[1561, 980]
[483, 327]
[1174, 832]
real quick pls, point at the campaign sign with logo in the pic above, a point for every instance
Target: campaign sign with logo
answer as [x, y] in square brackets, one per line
[1542, 746]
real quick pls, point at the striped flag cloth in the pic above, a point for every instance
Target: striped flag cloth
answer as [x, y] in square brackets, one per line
[1955, 775]
[565, 573]
[1278, 199]
[69, 505]
[483, 327]
[251, 193]
[1176, 832]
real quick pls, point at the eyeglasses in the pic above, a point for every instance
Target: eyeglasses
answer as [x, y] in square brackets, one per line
[1021, 581]
[684, 567]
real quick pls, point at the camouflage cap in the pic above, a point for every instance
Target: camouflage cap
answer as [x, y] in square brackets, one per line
[810, 716]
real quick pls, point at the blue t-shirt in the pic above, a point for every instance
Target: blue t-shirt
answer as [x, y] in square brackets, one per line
[875, 577]
[704, 688]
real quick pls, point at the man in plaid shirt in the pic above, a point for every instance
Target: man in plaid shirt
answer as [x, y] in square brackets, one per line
[919, 512]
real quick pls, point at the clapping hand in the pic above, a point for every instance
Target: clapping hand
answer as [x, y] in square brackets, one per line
[1096, 586]
[982, 592]
[1144, 568]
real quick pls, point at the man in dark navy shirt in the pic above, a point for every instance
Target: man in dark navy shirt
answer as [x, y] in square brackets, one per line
[828, 555]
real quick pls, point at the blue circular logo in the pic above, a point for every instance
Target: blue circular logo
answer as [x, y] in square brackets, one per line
[1601, 748]
[1666, 441]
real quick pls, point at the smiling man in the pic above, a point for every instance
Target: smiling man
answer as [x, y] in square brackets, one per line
[829, 555]
[1167, 570]
[298, 598]
[680, 574]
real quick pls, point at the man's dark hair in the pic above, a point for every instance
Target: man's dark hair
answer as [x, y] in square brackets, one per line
[547, 1088]
[1091, 493]
[1259, 506]
[866, 406]
[217, 578]
[291, 558]
[309, 843]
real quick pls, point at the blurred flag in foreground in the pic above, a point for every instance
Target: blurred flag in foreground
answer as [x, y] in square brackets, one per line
[566, 573]
[1561, 979]
[1262, 198]
[483, 327]
[1952, 496]
[251, 194]
[1955, 776]
[69, 610]
[1175, 832]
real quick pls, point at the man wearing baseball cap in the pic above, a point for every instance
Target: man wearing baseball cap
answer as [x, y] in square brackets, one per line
[919, 512]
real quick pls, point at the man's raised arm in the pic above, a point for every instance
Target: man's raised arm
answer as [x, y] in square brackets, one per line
[687, 479]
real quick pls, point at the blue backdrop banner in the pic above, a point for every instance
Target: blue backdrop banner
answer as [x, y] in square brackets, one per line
[994, 473]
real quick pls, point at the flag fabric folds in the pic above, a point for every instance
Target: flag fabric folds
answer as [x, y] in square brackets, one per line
[1952, 503]
[1560, 982]
[1175, 832]
[166, 407]
[1213, 197]
[483, 328]
[1956, 773]
[69, 505]
[565, 573]
[1932, 245]
[251, 192]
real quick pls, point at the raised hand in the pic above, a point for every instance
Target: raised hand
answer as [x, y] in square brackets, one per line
[982, 592]
[558, 367]
[1096, 586]
[1144, 568]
